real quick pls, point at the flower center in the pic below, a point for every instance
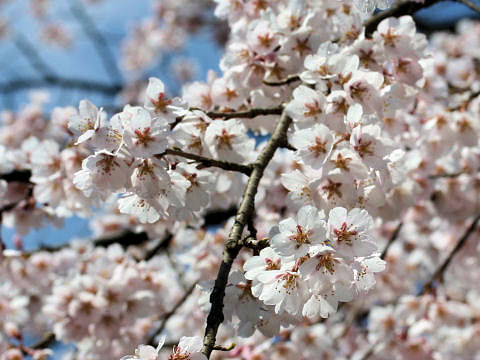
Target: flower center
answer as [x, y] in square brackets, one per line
[327, 263]
[363, 148]
[312, 109]
[301, 237]
[144, 137]
[345, 235]
[319, 147]
[161, 103]
[225, 140]
[177, 354]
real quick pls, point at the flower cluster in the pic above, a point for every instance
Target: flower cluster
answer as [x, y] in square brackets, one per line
[312, 265]
[367, 176]
[86, 294]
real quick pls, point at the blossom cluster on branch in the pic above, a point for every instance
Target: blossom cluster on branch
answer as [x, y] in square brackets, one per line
[359, 194]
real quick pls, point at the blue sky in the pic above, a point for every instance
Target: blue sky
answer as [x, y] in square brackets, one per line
[113, 19]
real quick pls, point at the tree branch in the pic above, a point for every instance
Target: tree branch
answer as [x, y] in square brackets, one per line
[471, 5]
[464, 104]
[160, 246]
[288, 80]
[444, 265]
[31, 54]
[208, 162]
[89, 27]
[392, 239]
[233, 243]
[245, 114]
[168, 315]
[124, 238]
[398, 9]
[65, 83]
[45, 342]
[17, 175]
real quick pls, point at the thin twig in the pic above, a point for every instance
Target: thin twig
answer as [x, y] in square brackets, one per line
[62, 82]
[160, 246]
[208, 162]
[46, 341]
[89, 27]
[444, 265]
[168, 315]
[288, 80]
[256, 245]
[17, 175]
[233, 243]
[245, 114]
[392, 239]
[124, 238]
[471, 5]
[397, 10]
[224, 348]
[464, 104]
[436, 274]
[370, 350]
[31, 54]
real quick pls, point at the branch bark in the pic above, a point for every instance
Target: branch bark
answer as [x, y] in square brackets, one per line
[398, 9]
[168, 315]
[245, 114]
[17, 175]
[32, 56]
[233, 244]
[391, 240]
[288, 80]
[65, 83]
[109, 61]
[471, 5]
[208, 162]
[444, 265]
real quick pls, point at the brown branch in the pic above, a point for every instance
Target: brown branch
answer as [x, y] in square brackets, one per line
[471, 5]
[109, 61]
[32, 56]
[446, 175]
[55, 81]
[392, 239]
[48, 76]
[17, 175]
[224, 348]
[288, 80]
[245, 114]
[463, 105]
[124, 238]
[428, 286]
[160, 246]
[127, 237]
[218, 216]
[168, 315]
[370, 350]
[444, 265]
[208, 162]
[398, 9]
[233, 243]
[256, 245]
[45, 342]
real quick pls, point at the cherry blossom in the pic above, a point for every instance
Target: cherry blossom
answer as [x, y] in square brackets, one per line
[227, 140]
[318, 197]
[305, 235]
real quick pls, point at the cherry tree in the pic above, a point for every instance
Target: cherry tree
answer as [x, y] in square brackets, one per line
[317, 198]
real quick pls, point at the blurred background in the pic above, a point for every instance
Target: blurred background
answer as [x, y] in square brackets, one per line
[57, 52]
